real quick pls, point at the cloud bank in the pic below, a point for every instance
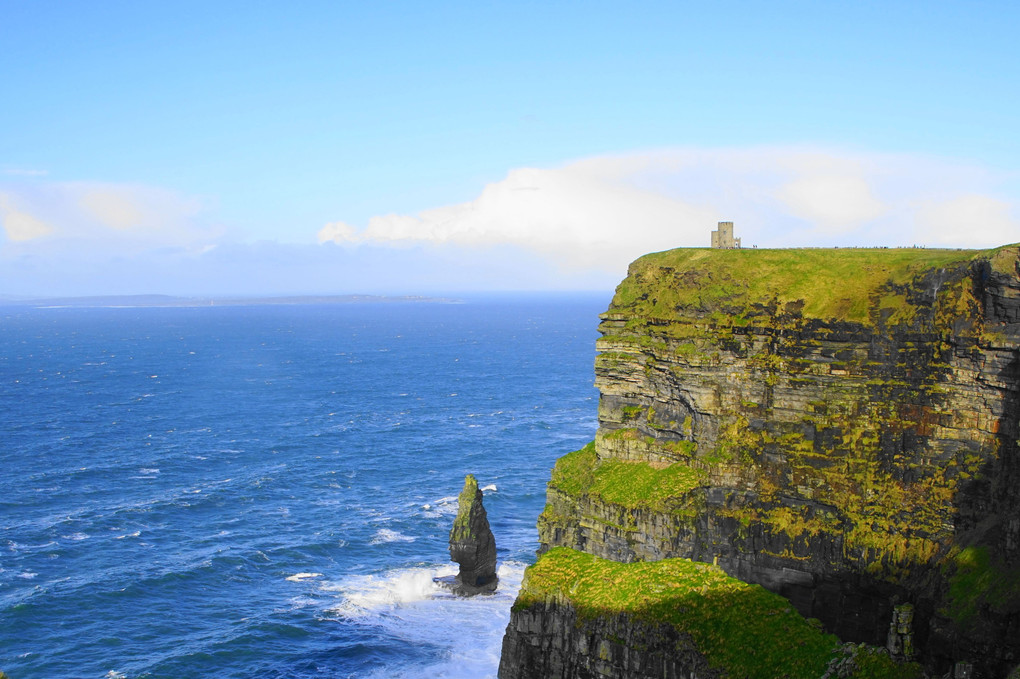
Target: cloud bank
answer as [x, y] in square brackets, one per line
[571, 227]
[600, 213]
[96, 218]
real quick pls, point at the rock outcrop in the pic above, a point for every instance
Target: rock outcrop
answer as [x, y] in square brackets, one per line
[472, 544]
[839, 426]
[581, 616]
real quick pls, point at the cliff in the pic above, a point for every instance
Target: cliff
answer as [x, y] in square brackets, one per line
[582, 616]
[838, 426]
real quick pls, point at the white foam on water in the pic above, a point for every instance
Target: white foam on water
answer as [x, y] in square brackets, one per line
[20, 547]
[75, 536]
[490, 487]
[148, 470]
[298, 577]
[469, 629]
[27, 575]
[300, 602]
[364, 595]
[384, 535]
[444, 506]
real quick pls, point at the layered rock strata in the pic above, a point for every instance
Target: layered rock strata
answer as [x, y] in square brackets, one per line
[839, 426]
[582, 616]
[551, 641]
[472, 544]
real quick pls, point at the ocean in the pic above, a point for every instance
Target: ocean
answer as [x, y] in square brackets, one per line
[268, 490]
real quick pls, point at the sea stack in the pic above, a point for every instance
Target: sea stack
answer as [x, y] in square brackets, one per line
[472, 544]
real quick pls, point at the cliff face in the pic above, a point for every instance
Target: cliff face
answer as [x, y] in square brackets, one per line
[551, 641]
[839, 426]
[581, 616]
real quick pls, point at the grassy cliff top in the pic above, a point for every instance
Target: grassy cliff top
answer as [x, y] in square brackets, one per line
[629, 484]
[741, 628]
[828, 284]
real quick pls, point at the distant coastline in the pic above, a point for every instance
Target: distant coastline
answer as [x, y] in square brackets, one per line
[135, 301]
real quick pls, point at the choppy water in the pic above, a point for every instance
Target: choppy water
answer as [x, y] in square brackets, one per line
[267, 491]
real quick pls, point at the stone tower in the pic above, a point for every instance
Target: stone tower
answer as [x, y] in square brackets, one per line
[723, 237]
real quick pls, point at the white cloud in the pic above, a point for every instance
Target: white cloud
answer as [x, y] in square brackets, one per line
[112, 207]
[600, 213]
[21, 226]
[968, 217]
[835, 203]
[338, 232]
[102, 218]
[576, 226]
[575, 215]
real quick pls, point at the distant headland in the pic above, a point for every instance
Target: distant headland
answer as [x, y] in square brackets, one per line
[133, 301]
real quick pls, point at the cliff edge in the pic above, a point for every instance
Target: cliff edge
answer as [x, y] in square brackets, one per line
[838, 426]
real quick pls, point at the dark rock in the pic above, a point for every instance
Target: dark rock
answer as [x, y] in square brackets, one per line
[551, 641]
[854, 451]
[472, 544]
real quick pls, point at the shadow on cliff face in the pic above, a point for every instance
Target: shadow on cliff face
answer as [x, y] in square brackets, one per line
[1006, 490]
[988, 506]
[691, 626]
[981, 592]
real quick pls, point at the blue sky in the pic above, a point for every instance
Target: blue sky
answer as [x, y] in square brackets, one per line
[280, 148]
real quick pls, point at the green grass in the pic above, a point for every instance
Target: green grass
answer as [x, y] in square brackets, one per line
[740, 628]
[462, 523]
[858, 285]
[625, 483]
[977, 581]
[630, 412]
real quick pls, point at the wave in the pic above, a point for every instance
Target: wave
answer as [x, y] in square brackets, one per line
[298, 577]
[444, 506]
[384, 535]
[470, 629]
[367, 594]
[18, 547]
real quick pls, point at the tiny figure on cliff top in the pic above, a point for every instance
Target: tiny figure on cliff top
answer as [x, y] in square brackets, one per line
[472, 544]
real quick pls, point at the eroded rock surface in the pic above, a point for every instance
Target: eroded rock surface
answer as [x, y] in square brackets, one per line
[839, 426]
[472, 544]
[551, 642]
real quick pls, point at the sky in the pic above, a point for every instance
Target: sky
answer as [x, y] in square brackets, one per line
[272, 148]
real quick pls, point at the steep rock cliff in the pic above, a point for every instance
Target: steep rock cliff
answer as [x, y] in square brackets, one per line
[839, 426]
[580, 616]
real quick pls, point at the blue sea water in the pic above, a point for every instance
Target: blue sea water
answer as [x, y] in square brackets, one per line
[268, 490]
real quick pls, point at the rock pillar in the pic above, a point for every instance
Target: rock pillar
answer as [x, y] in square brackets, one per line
[900, 641]
[472, 544]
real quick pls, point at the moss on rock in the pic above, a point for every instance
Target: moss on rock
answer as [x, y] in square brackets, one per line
[741, 629]
[627, 484]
